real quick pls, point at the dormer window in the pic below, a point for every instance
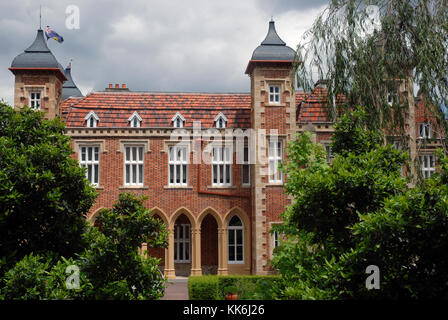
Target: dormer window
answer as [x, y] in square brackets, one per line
[91, 120]
[135, 120]
[178, 121]
[220, 121]
[274, 94]
[35, 100]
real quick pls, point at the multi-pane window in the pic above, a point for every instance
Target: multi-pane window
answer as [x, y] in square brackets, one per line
[89, 158]
[182, 243]
[178, 166]
[236, 240]
[276, 239]
[274, 94]
[275, 158]
[424, 130]
[329, 153]
[221, 166]
[427, 163]
[35, 100]
[133, 165]
[245, 167]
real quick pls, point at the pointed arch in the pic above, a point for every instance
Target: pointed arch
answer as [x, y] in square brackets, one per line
[213, 212]
[161, 214]
[94, 216]
[187, 213]
[241, 214]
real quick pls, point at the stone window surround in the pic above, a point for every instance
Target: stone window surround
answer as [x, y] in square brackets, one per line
[123, 143]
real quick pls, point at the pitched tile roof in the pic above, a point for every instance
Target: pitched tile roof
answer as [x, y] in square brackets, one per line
[313, 107]
[157, 109]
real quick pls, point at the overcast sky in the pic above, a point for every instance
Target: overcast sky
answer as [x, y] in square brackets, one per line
[175, 45]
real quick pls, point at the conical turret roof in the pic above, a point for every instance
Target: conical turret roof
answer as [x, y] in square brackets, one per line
[69, 88]
[273, 47]
[37, 56]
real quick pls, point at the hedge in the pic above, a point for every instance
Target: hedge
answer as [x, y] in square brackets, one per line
[212, 287]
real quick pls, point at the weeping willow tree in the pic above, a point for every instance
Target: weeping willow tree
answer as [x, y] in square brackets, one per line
[375, 54]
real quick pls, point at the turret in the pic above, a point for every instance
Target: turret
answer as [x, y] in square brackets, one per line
[38, 78]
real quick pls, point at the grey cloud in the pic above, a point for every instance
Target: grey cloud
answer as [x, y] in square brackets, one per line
[201, 46]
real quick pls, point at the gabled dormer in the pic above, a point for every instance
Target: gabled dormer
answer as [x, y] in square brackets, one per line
[178, 120]
[91, 120]
[221, 121]
[135, 120]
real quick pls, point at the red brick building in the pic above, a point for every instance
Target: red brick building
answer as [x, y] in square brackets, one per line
[219, 204]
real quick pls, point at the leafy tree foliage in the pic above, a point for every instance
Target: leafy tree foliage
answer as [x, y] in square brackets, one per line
[359, 211]
[44, 195]
[111, 267]
[113, 263]
[374, 52]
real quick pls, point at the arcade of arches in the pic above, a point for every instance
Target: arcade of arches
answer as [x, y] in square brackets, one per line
[207, 244]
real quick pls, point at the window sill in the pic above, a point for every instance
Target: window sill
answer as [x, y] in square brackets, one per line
[178, 187]
[98, 187]
[274, 184]
[235, 262]
[221, 187]
[133, 187]
[270, 104]
[245, 186]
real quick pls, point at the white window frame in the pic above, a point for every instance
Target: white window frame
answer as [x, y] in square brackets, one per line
[186, 242]
[135, 120]
[234, 230]
[138, 163]
[221, 158]
[428, 165]
[35, 102]
[275, 239]
[85, 163]
[275, 156]
[245, 164]
[91, 120]
[221, 121]
[179, 165]
[424, 130]
[274, 94]
[178, 120]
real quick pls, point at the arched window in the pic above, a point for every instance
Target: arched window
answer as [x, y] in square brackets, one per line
[236, 240]
[220, 121]
[178, 120]
[135, 120]
[91, 119]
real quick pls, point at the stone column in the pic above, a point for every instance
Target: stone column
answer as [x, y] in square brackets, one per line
[196, 269]
[222, 252]
[170, 272]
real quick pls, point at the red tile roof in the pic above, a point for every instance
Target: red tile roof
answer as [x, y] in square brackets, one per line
[313, 107]
[157, 109]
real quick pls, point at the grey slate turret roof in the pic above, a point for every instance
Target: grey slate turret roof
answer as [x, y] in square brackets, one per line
[273, 48]
[69, 88]
[37, 56]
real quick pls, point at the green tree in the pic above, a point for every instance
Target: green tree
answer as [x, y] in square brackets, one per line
[44, 196]
[113, 263]
[359, 211]
[369, 50]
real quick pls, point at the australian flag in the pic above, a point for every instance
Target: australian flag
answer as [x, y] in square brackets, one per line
[53, 35]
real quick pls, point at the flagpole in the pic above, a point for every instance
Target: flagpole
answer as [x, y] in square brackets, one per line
[40, 17]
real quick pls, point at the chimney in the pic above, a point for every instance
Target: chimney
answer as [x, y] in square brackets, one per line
[322, 83]
[117, 88]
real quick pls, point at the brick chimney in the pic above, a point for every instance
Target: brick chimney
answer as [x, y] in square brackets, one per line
[116, 87]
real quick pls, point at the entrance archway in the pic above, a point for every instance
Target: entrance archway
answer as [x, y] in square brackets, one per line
[209, 245]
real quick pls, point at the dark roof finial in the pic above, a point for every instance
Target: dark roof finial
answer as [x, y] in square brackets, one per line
[272, 38]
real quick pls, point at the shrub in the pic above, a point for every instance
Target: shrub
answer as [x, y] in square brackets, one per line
[203, 287]
[247, 287]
